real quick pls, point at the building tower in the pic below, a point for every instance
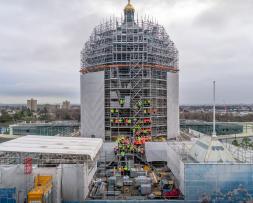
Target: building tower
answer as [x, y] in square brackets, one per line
[65, 105]
[129, 80]
[32, 104]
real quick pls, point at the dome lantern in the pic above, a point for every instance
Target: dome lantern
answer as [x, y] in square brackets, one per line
[129, 7]
[129, 12]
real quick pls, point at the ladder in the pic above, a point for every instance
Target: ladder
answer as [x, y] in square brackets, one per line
[136, 72]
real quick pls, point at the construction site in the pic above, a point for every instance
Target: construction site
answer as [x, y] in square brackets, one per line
[75, 169]
[130, 147]
[127, 175]
[129, 78]
[46, 169]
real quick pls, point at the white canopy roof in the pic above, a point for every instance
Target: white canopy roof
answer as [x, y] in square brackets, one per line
[54, 145]
[210, 149]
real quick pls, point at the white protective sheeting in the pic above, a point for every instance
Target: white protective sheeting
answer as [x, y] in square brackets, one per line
[76, 180]
[107, 152]
[70, 181]
[156, 151]
[54, 145]
[73, 182]
[93, 105]
[12, 176]
[175, 164]
[172, 105]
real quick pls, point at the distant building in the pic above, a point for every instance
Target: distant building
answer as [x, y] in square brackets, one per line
[65, 105]
[50, 108]
[32, 104]
[222, 128]
[63, 128]
[75, 106]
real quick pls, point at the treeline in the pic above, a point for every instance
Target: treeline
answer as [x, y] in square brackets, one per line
[21, 115]
[41, 115]
[208, 116]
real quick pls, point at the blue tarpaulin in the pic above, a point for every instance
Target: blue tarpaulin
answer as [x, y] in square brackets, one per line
[8, 195]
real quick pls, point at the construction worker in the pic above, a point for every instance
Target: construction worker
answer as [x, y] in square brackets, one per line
[137, 127]
[125, 170]
[139, 105]
[139, 139]
[116, 121]
[138, 150]
[142, 151]
[121, 170]
[120, 148]
[148, 102]
[128, 171]
[129, 148]
[145, 111]
[134, 131]
[122, 102]
[145, 102]
[145, 131]
[115, 150]
[120, 121]
[117, 141]
[122, 153]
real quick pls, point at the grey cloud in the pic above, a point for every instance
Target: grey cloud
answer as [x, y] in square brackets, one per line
[40, 44]
[226, 13]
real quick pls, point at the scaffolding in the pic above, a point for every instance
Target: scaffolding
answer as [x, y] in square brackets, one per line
[135, 55]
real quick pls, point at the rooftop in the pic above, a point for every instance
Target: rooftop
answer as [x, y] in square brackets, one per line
[54, 145]
[209, 149]
[53, 123]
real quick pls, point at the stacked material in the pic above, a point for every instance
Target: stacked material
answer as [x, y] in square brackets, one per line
[135, 172]
[109, 172]
[112, 180]
[127, 181]
[119, 181]
[145, 189]
[142, 180]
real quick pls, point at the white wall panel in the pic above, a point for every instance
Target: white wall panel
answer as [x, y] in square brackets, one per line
[176, 166]
[172, 105]
[156, 151]
[92, 105]
[107, 152]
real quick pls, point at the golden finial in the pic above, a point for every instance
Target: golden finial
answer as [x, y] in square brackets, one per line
[129, 7]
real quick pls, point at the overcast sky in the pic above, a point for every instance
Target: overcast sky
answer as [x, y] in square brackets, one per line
[40, 44]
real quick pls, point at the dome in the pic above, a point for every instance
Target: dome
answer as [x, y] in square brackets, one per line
[128, 40]
[129, 7]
